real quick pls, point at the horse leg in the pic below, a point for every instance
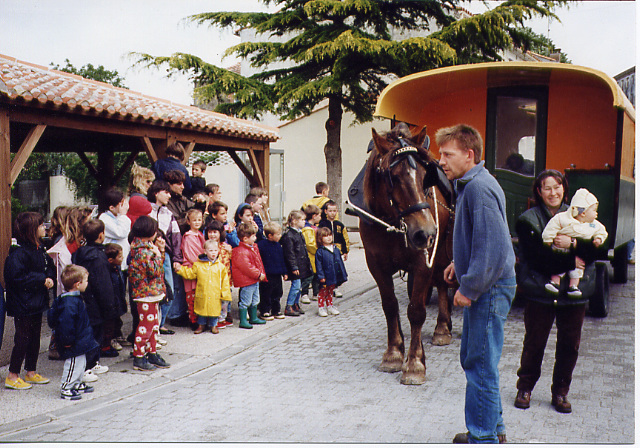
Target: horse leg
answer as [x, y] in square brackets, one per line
[442, 333]
[413, 369]
[394, 355]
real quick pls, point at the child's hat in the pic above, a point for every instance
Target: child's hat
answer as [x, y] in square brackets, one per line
[582, 199]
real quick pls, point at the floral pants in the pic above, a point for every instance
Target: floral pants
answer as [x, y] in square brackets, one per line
[145, 340]
[325, 296]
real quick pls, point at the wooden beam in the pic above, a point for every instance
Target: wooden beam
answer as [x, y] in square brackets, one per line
[126, 165]
[5, 190]
[188, 150]
[92, 170]
[256, 168]
[242, 167]
[148, 147]
[25, 150]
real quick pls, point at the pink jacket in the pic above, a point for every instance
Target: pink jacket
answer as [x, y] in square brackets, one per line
[192, 247]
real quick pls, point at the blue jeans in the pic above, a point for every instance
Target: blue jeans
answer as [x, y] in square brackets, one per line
[480, 351]
[179, 304]
[294, 292]
[212, 321]
[249, 296]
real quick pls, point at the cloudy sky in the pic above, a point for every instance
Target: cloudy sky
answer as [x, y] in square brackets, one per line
[596, 34]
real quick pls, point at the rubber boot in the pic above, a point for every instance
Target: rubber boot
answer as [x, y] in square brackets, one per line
[253, 316]
[243, 319]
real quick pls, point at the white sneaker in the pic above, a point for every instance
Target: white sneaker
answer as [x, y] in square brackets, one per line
[322, 312]
[305, 299]
[333, 310]
[337, 293]
[89, 377]
[161, 341]
[116, 345]
[98, 369]
[314, 298]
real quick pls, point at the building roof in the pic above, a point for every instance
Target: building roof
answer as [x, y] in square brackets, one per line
[43, 87]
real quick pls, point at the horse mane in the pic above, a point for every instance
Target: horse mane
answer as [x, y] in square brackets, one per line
[380, 158]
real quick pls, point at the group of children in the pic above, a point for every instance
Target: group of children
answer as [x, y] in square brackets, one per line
[92, 261]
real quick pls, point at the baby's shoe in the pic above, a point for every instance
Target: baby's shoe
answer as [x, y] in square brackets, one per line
[322, 312]
[333, 310]
[17, 384]
[36, 378]
[70, 394]
[305, 299]
[574, 293]
[552, 288]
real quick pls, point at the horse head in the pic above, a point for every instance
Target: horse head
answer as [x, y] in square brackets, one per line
[395, 180]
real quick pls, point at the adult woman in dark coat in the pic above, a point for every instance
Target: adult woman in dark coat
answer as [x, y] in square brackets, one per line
[537, 262]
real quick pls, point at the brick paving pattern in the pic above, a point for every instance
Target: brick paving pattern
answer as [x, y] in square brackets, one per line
[315, 379]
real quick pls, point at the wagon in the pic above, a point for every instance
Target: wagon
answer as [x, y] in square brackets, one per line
[535, 116]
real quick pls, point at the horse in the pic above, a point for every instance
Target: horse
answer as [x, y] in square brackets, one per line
[409, 230]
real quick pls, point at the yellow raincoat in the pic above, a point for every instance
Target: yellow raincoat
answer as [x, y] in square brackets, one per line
[212, 285]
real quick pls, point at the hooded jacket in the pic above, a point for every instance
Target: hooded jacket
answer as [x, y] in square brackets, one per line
[212, 285]
[70, 323]
[25, 270]
[296, 257]
[330, 267]
[246, 265]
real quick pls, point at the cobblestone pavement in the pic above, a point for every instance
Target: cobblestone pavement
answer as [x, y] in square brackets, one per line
[316, 380]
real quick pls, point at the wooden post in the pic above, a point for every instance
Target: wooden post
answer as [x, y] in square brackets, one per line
[5, 190]
[25, 150]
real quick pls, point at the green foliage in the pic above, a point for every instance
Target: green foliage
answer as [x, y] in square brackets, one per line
[90, 72]
[541, 44]
[347, 50]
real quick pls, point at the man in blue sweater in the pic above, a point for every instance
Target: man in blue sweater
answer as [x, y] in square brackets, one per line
[484, 269]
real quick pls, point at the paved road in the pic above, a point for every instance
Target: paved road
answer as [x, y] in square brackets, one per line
[315, 379]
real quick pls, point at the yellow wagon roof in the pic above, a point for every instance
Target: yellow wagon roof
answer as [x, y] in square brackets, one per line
[410, 94]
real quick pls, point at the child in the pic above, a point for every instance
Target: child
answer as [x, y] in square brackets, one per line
[192, 247]
[330, 269]
[165, 304]
[312, 214]
[212, 286]
[99, 297]
[296, 259]
[579, 221]
[275, 269]
[215, 231]
[117, 224]
[69, 320]
[198, 182]
[244, 213]
[247, 272]
[146, 280]
[114, 257]
[256, 208]
[339, 231]
[28, 275]
[321, 197]
[218, 212]
[263, 199]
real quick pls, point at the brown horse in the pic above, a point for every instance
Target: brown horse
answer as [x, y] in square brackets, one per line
[396, 174]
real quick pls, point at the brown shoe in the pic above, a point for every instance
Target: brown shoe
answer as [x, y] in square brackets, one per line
[199, 330]
[215, 330]
[463, 437]
[561, 403]
[523, 399]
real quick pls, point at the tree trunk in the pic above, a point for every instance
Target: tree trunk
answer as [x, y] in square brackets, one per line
[333, 152]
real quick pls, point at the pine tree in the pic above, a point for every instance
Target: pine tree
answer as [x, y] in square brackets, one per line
[345, 52]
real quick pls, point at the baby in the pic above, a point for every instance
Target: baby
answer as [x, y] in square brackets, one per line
[579, 221]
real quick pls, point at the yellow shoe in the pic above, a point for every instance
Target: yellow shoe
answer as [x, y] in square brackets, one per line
[17, 384]
[36, 379]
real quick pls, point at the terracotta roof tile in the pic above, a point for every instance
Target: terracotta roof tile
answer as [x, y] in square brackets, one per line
[23, 81]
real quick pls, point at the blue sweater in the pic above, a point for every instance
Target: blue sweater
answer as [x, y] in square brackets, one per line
[482, 247]
[272, 257]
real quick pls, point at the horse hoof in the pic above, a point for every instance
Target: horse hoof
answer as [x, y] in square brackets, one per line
[413, 379]
[390, 367]
[441, 339]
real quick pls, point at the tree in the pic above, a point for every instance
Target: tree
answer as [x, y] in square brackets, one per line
[345, 52]
[541, 44]
[90, 72]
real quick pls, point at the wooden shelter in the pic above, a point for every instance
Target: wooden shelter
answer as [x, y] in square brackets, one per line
[46, 110]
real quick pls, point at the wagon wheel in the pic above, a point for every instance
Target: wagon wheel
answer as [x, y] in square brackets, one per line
[619, 263]
[599, 301]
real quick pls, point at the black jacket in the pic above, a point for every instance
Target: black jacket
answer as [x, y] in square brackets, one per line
[296, 257]
[25, 270]
[100, 298]
[538, 261]
[70, 323]
[119, 287]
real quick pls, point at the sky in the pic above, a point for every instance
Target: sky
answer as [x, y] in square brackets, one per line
[597, 34]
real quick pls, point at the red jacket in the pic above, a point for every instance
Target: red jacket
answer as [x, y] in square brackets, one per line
[246, 265]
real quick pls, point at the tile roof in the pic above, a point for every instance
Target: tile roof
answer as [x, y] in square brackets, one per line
[47, 88]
